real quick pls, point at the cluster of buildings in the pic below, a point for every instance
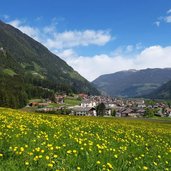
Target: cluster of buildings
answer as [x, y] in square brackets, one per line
[113, 107]
[118, 107]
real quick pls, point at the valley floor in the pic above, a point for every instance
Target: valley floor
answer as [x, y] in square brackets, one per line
[42, 142]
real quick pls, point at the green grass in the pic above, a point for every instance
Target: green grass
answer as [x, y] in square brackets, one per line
[31, 142]
[29, 109]
[72, 101]
[9, 72]
[76, 75]
[55, 105]
[36, 100]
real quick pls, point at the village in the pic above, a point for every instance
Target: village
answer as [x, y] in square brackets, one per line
[84, 105]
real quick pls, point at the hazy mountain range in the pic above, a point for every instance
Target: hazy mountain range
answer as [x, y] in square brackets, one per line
[133, 83]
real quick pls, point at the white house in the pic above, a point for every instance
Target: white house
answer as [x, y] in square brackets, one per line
[88, 103]
[84, 111]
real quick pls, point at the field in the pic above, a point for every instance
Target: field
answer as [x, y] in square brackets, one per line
[35, 142]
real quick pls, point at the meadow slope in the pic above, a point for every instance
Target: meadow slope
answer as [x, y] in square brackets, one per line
[31, 142]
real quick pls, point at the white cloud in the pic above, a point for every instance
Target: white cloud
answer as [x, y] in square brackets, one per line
[129, 50]
[66, 54]
[31, 31]
[15, 23]
[69, 39]
[167, 19]
[157, 23]
[6, 16]
[93, 66]
[169, 11]
[49, 29]
[62, 43]
[53, 39]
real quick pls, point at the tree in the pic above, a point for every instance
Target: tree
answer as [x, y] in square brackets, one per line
[169, 103]
[100, 109]
[114, 112]
[149, 112]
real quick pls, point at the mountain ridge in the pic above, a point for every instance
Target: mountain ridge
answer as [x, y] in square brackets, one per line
[23, 58]
[132, 83]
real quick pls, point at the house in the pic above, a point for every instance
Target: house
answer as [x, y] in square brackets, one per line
[88, 103]
[108, 112]
[84, 111]
[48, 109]
[118, 114]
[1, 49]
[159, 112]
[43, 104]
[112, 105]
[59, 99]
[126, 112]
[33, 104]
[168, 112]
[140, 103]
[141, 112]
[83, 96]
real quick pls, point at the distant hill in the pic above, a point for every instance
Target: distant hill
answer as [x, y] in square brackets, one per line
[163, 92]
[29, 70]
[132, 83]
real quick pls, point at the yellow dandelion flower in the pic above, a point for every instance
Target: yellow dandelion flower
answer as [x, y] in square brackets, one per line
[42, 151]
[104, 166]
[155, 163]
[55, 155]
[78, 168]
[74, 151]
[22, 149]
[50, 165]
[109, 165]
[47, 157]
[69, 152]
[26, 163]
[35, 158]
[145, 167]
[40, 156]
[98, 162]
[30, 153]
[26, 146]
[116, 156]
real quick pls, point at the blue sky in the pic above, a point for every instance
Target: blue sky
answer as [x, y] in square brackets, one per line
[97, 36]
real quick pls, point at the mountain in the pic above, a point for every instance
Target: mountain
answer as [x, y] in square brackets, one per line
[163, 92]
[132, 83]
[30, 70]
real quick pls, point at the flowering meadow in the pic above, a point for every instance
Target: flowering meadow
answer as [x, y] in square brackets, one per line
[39, 142]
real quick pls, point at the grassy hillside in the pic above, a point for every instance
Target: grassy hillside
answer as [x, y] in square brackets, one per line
[163, 92]
[39, 72]
[49, 142]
